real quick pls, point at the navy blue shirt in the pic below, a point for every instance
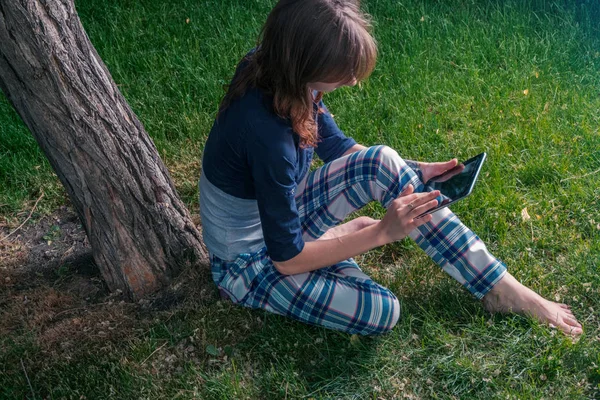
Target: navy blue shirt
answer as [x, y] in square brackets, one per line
[251, 153]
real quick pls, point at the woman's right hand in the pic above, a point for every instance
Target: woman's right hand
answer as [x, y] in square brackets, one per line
[400, 218]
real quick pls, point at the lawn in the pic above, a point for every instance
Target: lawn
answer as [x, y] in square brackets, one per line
[517, 79]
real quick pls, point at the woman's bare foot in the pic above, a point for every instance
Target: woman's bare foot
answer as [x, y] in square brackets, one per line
[509, 295]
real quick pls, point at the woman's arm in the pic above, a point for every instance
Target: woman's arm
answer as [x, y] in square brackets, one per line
[398, 221]
[353, 149]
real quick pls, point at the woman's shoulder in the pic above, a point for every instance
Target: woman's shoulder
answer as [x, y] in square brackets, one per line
[270, 136]
[254, 109]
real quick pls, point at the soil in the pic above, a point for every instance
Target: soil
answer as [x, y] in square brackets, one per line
[51, 290]
[47, 248]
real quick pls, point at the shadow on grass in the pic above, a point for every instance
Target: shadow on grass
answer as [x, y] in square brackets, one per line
[62, 334]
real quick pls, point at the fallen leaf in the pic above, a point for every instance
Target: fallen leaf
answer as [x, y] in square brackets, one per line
[212, 350]
[526, 92]
[525, 215]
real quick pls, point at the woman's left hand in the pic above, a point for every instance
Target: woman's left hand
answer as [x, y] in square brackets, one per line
[430, 170]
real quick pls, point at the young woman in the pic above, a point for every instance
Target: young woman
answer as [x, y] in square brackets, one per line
[274, 230]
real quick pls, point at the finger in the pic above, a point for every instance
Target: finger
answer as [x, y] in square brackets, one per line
[412, 201]
[405, 199]
[451, 163]
[408, 194]
[407, 190]
[422, 198]
[416, 222]
[450, 173]
[422, 208]
[441, 166]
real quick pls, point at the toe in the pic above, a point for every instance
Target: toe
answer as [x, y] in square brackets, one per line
[572, 322]
[567, 311]
[574, 330]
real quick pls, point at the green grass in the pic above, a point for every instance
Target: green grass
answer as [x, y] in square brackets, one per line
[518, 79]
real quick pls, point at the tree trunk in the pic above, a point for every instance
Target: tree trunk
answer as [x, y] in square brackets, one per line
[140, 232]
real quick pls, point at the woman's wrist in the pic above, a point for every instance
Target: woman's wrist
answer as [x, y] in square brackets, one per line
[380, 234]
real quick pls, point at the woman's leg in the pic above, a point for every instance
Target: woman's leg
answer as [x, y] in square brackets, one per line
[338, 188]
[339, 297]
[329, 194]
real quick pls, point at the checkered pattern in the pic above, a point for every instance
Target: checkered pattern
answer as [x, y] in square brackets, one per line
[342, 297]
[339, 297]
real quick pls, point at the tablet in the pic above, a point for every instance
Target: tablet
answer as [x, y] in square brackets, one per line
[457, 183]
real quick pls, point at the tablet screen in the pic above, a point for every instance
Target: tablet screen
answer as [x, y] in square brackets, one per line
[456, 183]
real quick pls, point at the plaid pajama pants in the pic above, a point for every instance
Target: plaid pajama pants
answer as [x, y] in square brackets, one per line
[341, 296]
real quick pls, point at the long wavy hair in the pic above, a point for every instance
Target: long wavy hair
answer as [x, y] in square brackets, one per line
[302, 42]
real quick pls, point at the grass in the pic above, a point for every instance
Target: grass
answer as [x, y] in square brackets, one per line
[518, 79]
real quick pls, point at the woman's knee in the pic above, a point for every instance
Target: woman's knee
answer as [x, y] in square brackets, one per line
[383, 155]
[389, 174]
[388, 315]
[388, 161]
[387, 153]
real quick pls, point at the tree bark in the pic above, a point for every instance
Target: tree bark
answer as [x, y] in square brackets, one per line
[140, 232]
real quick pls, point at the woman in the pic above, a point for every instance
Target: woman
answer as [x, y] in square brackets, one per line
[274, 230]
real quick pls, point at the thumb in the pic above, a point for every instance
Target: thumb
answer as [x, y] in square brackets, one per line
[446, 165]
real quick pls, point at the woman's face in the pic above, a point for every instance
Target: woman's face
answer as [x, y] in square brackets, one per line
[330, 87]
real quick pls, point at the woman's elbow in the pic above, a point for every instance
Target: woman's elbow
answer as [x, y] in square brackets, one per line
[282, 267]
[292, 266]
